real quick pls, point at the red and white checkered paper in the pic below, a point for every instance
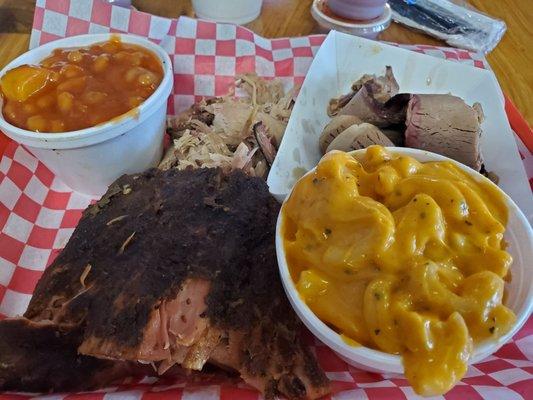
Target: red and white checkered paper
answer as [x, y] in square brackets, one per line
[38, 212]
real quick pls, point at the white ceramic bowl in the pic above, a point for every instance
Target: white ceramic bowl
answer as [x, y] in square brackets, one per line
[88, 160]
[518, 234]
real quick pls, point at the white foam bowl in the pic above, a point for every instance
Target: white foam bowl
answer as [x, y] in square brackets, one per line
[519, 236]
[88, 160]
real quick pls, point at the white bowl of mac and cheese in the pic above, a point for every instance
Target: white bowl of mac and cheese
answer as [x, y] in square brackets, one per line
[405, 261]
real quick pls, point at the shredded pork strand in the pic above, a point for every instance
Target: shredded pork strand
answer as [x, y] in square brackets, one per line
[219, 132]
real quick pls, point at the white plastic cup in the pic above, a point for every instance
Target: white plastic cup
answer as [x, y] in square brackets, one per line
[361, 10]
[89, 160]
[231, 11]
[518, 235]
[368, 29]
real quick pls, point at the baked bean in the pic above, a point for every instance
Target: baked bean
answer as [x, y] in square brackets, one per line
[74, 85]
[37, 123]
[54, 77]
[9, 112]
[135, 101]
[133, 73]
[101, 63]
[71, 70]
[121, 56]
[45, 101]
[147, 79]
[96, 49]
[29, 108]
[47, 63]
[136, 58]
[74, 89]
[57, 126]
[94, 97]
[81, 108]
[95, 119]
[111, 46]
[65, 101]
[75, 56]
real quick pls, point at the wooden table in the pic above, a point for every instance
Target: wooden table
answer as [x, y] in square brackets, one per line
[512, 60]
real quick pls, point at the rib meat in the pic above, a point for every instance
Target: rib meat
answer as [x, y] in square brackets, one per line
[179, 267]
[39, 357]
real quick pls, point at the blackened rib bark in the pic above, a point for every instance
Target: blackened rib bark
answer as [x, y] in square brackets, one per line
[445, 124]
[186, 224]
[41, 358]
[150, 233]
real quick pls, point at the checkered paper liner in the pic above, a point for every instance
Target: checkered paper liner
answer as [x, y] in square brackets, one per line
[38, 213]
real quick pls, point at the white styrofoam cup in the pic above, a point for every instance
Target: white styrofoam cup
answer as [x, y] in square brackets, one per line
[519, 237]
[230, 11]
[88, 160]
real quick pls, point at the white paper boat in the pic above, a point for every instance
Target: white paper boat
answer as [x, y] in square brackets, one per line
[343, 58]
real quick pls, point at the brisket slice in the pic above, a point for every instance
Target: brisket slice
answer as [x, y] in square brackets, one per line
[38, 357]
[359, 136]
[180, 267]
[334, 128]
[376, 102]
[446, 125]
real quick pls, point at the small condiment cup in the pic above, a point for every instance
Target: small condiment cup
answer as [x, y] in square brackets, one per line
[369, 29]
[90, 159]
[361, 10]
[519, 237]
[228, 11]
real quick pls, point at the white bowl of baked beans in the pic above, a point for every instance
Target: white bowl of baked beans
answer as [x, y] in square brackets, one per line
[90, 107]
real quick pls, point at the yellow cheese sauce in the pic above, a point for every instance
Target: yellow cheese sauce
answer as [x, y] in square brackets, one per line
[403, 257]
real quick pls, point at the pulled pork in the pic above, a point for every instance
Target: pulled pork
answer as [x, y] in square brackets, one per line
[232, 132]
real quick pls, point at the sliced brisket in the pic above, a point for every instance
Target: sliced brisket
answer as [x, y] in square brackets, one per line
[337, 125]
[359, 136]
[377, 101]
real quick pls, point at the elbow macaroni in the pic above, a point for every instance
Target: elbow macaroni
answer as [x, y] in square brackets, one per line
[401, 256]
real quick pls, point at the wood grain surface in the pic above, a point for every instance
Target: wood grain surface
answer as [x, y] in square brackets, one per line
[512, 60]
